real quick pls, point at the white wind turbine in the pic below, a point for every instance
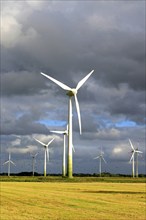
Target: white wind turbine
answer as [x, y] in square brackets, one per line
[46, 156]
[134, 151]
[71, 92]
[65, 133]
[100, 160]
[33, 161]
[9, 162]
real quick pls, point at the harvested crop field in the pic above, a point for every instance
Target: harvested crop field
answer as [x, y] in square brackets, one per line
[72, 201]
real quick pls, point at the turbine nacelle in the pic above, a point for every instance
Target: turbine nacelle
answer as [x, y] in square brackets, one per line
[46, 146]
[72, 92]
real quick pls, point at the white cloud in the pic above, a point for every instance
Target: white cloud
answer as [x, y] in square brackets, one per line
[117, 150]
[11, 31]
[16, 142]
[18, 150]
[12, 23]
[35, 4]
[109, 133]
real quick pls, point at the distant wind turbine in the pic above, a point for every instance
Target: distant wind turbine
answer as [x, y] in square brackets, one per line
[33, 161]
[65, 133]
[100, 160]
[46, 156]
[71, 92]
[134, 151]
[9, 162]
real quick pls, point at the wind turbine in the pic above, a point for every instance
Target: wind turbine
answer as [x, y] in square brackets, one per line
[9, 162]
[133, 159]
[33, 161]
[71, 92]
[100, 160]
[65, 133]
[46, 156]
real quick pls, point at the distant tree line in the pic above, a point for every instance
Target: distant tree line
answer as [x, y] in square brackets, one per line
[104, 174]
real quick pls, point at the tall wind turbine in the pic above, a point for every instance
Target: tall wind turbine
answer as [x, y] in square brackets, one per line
[33, 161]
[9, 162]
[46, 156]
[134, 151]
[65, 133]
[71, 92]
[100, 160]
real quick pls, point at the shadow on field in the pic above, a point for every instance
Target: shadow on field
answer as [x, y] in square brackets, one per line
[114, 192]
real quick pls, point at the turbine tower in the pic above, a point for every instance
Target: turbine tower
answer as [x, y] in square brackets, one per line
[71, 92]
[46, 156]
[33, 161]
[65, 133]
[9, 162]
[134, 151]
[100, 160]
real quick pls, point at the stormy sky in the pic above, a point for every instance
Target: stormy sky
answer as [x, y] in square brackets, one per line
[66, 40]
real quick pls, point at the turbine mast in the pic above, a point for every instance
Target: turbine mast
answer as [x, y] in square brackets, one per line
[100, 166]
[69, 165]
[33, 166]
[45, 162]
[136, 164]
[63, 164]
[9, 164]
[133, 166]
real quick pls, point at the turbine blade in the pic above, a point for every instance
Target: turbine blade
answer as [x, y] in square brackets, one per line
[47, 152]
[96, 157]
[131, 144]
[73, 148]
[40, 142]
[84, 80]
[35, 154]
[6, 162]
[58, 132]
[63, 86]
[12, 162]
[131, 157]
[66, 132]
[50, 142]
[78, 112]
[137, 151]
[104, 160]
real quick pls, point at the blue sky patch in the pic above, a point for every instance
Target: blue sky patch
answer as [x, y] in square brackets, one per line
[125, 124]
[52, 122]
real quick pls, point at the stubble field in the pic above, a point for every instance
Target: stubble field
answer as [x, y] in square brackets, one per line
[73, 201]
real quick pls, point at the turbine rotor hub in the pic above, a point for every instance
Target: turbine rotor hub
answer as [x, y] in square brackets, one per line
[72, 92]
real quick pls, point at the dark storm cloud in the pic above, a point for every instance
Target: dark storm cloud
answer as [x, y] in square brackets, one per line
[23, 126]
[69, 43]
[21, 83]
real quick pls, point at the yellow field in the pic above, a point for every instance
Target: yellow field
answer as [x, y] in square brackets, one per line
[72, 201]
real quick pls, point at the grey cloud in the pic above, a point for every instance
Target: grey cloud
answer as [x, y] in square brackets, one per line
[21, 83]
[22, 126]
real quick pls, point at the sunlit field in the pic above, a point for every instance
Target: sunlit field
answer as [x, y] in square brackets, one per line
[73, 200]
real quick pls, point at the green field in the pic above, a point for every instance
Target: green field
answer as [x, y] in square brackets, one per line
[77, 199]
